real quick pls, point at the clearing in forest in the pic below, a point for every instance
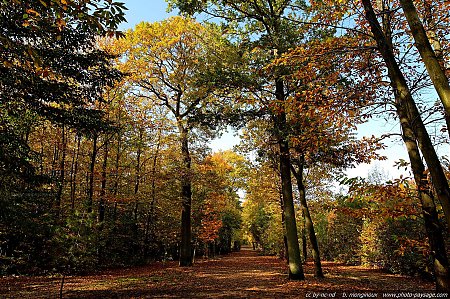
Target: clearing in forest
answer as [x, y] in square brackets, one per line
[242, 274]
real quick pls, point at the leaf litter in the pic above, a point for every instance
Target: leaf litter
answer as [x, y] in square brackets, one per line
[243, 274]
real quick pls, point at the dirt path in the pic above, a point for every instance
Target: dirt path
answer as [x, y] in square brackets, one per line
[240, 275]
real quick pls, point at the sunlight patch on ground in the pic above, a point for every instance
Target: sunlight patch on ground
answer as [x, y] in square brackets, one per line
[239, 275]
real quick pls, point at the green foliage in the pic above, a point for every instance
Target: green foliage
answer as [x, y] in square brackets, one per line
[398, 246]
[260, 223]
[49, 70]
[23, 247]
[266, 230]
[338, 236]
[76, 244]
[262, 212]
[376, 225]
[231, 223]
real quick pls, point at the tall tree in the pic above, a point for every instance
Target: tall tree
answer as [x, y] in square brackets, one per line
[435, 70]
[271, 32]
[413, 127]
[163, 61]
[324, 110]
[52, 74]
[298, 173]
[386, 35]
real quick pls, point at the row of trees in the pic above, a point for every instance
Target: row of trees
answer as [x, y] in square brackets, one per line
[113, 199]
[329, 76]
[377, 224]
[91, 173]
[289, 72]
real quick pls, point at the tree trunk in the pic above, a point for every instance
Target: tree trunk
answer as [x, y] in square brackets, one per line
[74, 172]
[137, 179]
[149, 229]
[186, 197]
[41, 153]
[403, 95]
[55, 159]
[431, 61]
[101, 205]
[91, 174]
[295, 263]
[102, 201]
[286, 255]
[412, 130]
[435, 42]
[304, 246]
[62, 172]
[117, 166]
[432, 34]
[430, 215]
[308, 220]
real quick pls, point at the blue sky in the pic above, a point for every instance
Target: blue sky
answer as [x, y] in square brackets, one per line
[144, 10]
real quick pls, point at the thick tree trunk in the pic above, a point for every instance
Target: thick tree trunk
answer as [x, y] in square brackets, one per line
[295, 263]
[436, 240]
[413, 129]
[431, 61]
[116, 186]
[186, 197]
[308, 220]
[403, 95]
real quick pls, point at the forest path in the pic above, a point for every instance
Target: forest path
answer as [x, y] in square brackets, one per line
[241, 274]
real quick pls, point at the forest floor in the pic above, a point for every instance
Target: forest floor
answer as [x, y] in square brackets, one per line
[242, 274]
